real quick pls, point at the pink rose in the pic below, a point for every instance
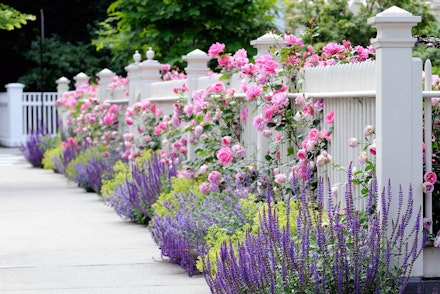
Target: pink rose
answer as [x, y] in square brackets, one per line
[372, 149]
[204, 188]
[259, 123]
[430, 177]
[301, 154]
[216, 49]
[224, 155]
[330, 117]
[280, 179]
[214, 177]
[253, 91]
[353, 142]
[369, 130]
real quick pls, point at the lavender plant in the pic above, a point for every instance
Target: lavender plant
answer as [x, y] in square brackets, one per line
[134, 197]
[182, 235]
[348, 251]
[36, 144]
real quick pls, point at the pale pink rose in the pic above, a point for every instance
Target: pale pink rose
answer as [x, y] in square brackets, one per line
[204, 188]
[253, 92]
[430, 177]
[267, 133]
[280, 99]
[330, 117]
[188, 109]
[249, 69]
[238, 150]
[332, 48]
[335, 191]
[369, 130]
[277, 137]
[326, 135]
[280, 179]
[435, 101]
[203, 169]
[362, 158]
[129, 137]
[198, 130]
[214, 177]
[427, 187]
[226, 140]
[353, 142]
[224, 155]
[262, 78]
[216, 49]
[300, 100]
[321, 160]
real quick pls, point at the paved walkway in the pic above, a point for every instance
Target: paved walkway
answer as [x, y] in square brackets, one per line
[56, 238]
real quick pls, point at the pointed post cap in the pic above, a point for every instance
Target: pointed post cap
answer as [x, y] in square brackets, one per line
[62, 80]
[394, 26]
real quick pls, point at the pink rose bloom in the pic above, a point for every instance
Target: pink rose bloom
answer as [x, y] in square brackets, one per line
[301, 154]
[267, 133]
[362, 158]
[280, 99]
[353, 142]
[165, 67]
[270, 66]
[85, 106]
[435, 101]
[290, 40]
[198, 130]
[216, 49]
[128, 121]
[430, 177]
[225, 62]
[268, 112]
[259, 123]
[238, 150]
[300, 100]
[280, 179]
[253, 91]
[313, 135]
[428, 187]
[214, 177]
[129, 137]
[249, 69]
[277, 137]
[330, 117]
[226, 140]
[224, 155]
[71, 141]
[369, 130]
[218, 87]
[204, 188]
[332, 48]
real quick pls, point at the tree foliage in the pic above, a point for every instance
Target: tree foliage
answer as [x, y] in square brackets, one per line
[175, 27]
[332, 20]
[62, 58]
[11, 18]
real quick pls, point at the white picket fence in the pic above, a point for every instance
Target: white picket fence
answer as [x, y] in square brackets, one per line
[386, 93]
[21, 113]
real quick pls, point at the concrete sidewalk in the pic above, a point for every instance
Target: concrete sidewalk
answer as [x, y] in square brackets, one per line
[56, 238]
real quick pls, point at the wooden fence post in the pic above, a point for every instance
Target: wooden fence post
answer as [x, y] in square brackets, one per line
[399, 156]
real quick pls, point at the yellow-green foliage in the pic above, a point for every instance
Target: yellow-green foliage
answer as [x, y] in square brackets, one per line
[122, 172]
[216, 235]
[49, 155]
[252, 210]
[179, 185]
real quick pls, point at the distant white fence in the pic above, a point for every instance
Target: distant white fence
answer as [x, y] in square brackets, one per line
[22, 113]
